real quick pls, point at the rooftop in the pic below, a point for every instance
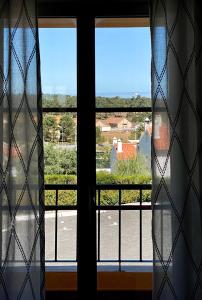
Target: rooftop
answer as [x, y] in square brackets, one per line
[129, 151]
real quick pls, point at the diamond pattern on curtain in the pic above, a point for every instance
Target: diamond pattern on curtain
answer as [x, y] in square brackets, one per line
[176, 32]
[21, 154]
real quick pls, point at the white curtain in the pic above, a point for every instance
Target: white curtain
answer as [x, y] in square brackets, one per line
[21, 154]
[177, 157]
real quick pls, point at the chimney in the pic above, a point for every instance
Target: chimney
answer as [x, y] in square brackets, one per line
[119, 146]
[146, 123]
[114, 141]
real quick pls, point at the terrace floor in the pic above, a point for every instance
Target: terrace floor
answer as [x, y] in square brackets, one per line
[109, 235]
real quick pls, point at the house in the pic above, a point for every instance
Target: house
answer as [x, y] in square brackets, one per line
[122, 151]
[102, 125]
[113, 123]
[118, 123]
[161, 138]
[144, 146]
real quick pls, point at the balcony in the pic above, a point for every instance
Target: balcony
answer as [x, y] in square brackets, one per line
[123, 229]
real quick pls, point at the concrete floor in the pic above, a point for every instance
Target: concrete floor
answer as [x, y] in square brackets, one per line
[109, 227]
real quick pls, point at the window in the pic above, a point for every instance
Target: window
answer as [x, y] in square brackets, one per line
[68, 101]
[59, 86]
[123, 142]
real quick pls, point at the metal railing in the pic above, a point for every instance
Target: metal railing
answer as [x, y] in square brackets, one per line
[118, 205]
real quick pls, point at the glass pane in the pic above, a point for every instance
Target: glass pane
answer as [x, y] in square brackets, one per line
[123, 148]
[107, 197]
[58, 64]
[109, 227]
[130, 235]
[50, 197]
[147, 249]
[131, 197]
[50, 235]
[67, 197]
[123, 59]
[146, 196]
[60, 148]
[67, 223]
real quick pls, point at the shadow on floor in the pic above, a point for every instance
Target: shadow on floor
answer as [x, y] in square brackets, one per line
[101, 296]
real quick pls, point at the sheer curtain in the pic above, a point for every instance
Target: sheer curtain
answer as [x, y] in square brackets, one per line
[21, 154]
[177, 158]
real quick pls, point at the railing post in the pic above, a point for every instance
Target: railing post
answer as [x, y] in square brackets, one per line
[56, 226]
[140, 224]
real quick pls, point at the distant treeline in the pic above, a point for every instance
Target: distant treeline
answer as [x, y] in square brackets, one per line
[51, 100]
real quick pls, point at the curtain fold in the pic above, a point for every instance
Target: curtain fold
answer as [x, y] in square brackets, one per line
[21, 154]
[176, 149]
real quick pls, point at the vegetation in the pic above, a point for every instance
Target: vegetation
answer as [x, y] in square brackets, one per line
[102, 177]
[99, 138]
[61, 159]
[107, 197]
[132, 166]
[50, 128]
[64, 198]
[71, 101]
[50, 100]
[127, 197]
[67, 128]
[123, 102]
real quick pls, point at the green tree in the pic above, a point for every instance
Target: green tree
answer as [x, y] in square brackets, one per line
[139, 117]
[50, 128]
[59, 161]
[99, 138]
[68, 162]
[139, 130]
[133, 135]
[136, 134]
[70, 101]
[50, 100]
[103, 157]
[67, 128]
[51, 160]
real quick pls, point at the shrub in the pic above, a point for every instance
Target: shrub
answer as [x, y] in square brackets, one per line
[107, 197]
[111, 178]
[60, 179]
[64, 197]
[132, 166]
[111, 197]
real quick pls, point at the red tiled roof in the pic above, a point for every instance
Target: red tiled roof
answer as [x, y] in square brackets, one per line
[129, 151]
[102, 122]
[114, 120]
[163, 142]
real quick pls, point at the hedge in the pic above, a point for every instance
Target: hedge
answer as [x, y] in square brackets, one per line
[60, 179]
[112, 197]
[109, 178]
[101, 178]
[107, 197]
[64, 197]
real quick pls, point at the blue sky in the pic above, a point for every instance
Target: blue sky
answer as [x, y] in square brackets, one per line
[123, 58]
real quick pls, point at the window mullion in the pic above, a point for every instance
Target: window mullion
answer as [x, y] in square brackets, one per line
[86, 226]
